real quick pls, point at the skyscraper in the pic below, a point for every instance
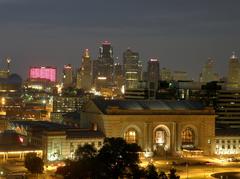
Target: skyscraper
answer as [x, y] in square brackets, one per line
[165, 74]
[208, 74]
[67, 76]
[131, 69]
[118, 75]
[153, 76]
[84, 75]
[103, 67]
[233, 72]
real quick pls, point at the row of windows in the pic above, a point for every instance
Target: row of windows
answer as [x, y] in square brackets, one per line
[228, 147]
[227, 141]
[187, 136]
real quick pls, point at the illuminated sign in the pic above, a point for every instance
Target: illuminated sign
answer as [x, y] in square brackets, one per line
[153, 60]
[45, 73]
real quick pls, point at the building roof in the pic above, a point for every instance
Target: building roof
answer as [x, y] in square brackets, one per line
[10, 141]
[148, 105]
[46, 125]
[41, 127]
[84, 133]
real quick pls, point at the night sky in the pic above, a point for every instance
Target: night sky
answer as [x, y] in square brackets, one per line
[182, 34]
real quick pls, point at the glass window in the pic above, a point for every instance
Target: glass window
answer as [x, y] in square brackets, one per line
[131, 136]
[160, 136]
[187, 136]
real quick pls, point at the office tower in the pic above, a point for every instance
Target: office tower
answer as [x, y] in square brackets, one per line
[106, 61]
[165, 74]
[118, 75]
[228, 109]
[84, 75]
[233, 72]
[67, 76]
[103, 67]
[208, 74]
[43, 73]
[180, 76]
[153, 77]
[131, 69]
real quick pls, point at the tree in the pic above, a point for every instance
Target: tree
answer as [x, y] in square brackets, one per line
[33, 163]
[115, 159]
[118, 158]
[172, 174]
[151, 172]
[162, 175]
[86, 152]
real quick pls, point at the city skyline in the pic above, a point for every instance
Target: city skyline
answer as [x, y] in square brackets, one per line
[179, 34]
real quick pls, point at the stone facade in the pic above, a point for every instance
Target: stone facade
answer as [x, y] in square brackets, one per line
[159, 130]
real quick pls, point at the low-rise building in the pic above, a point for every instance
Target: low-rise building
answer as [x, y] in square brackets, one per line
[57, 141]
[227, 142]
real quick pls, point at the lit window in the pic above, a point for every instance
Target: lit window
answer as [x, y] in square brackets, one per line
[187, 136]
[160, 136]
[131, 136]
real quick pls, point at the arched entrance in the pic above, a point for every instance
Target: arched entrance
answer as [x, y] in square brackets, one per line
[161, 140]
[188, 138]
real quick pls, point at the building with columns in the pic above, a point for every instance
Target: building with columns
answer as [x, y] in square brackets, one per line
[160, 127]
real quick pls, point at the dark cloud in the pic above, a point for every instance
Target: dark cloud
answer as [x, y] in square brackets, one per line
[180, 33]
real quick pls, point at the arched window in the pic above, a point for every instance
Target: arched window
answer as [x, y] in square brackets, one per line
[187, 136]
[131, 136]
[160, 136]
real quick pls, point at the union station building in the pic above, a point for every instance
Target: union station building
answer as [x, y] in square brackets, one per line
[158, 126]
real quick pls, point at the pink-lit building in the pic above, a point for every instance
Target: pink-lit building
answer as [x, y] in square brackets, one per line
[43, 73]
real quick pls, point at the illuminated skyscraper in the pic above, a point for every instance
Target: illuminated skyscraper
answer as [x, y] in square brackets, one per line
[67, 76]
[43, 73]
[165, 74]
[118, 75]
[131, 69]
[103, 67]
[233, 72]
[208, 73]
[84, 75]
[153, 76]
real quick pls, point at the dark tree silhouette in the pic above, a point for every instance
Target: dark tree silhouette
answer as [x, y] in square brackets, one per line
[86, 152]
[172, 174]
[162, 175]
[115, 159]
[118, 157]
[33, 163]
[151, 172]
